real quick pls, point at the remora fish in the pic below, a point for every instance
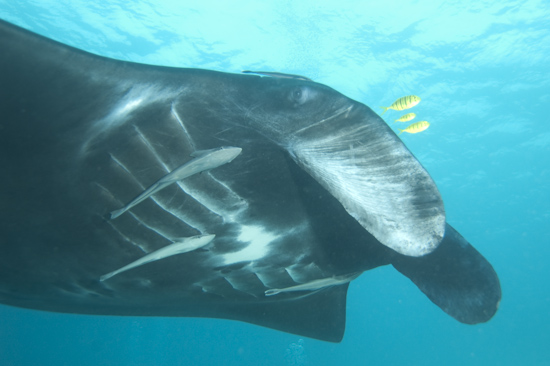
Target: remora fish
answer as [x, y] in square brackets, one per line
[315, 284]
[180, 246]
[322, 186]
[204, 160]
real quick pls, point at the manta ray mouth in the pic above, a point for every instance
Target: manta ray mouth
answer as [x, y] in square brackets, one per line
[361, 162]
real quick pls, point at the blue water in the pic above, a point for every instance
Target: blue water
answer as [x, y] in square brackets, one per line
[481, 69]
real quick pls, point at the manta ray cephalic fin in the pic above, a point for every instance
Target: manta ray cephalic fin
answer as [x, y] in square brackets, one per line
[363, 164]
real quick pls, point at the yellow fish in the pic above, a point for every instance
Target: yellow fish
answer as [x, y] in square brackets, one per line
[415, 127]
[403, 103]
[406, 117]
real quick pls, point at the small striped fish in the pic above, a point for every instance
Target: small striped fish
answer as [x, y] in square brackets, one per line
[415, 127]
[406, 117]
[403, 103]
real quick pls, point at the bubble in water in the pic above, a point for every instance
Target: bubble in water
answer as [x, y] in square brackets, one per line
[295, 354]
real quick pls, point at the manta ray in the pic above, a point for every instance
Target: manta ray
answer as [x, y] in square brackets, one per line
[139, 190]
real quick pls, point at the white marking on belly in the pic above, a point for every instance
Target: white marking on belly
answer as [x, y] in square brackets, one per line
[180, 215]
[119, 163]
[152, 149]
[301, 273]
[164, 235]
[258, 246]
[176, 115]
[243, 283]
[273, 279]
[236, 201]
[129, 106]
[202, 198]
[127, 238]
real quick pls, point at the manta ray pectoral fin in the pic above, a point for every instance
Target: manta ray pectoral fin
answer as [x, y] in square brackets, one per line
[181, 245]
[455, 277]
[320, 315]
[203, 160]
[277, 75]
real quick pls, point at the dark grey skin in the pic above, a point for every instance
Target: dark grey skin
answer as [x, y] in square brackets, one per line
[322, 188]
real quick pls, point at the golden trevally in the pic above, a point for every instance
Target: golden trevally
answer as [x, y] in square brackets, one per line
[416, 127]
[403, 103]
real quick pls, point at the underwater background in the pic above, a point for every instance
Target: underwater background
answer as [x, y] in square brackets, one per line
[482, 71]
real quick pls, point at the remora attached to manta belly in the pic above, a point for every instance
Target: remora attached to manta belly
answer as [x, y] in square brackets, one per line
[204, 160]
[180, 246]
[315, 284]
[322, 189]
